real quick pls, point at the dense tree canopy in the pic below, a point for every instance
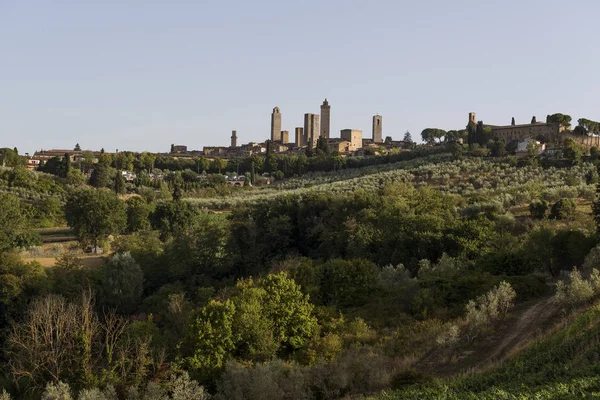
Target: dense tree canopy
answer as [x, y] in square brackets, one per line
[93, 214]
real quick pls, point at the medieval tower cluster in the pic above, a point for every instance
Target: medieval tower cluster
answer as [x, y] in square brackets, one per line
[316, 126]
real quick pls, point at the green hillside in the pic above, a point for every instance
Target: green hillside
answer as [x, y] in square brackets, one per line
[563, 364]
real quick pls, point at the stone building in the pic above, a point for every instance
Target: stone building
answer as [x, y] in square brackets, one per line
[311, 128]
[276, 125]
[285, 137]
[299, 136]
[178, 148]
[377, 129]
[508, 133]
[233, 139]
[325, 119]
[354, 136]
[338, 145]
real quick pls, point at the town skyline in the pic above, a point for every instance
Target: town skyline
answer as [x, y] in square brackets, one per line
[192, 73]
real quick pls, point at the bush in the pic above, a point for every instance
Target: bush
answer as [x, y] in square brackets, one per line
[59, 391]
[563, 209]
[538, 209]
[489, 307]
[576, 290]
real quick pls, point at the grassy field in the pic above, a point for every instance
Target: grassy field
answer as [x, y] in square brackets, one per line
[57, 241]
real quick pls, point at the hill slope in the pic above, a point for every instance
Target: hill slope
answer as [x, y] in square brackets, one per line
[563, 364]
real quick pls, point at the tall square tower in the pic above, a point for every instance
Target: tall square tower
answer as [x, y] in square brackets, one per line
[276, 125]
[325, 119]
[311, 128]
[377, 129]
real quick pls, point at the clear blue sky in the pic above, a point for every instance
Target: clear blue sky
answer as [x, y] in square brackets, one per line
[140, 75]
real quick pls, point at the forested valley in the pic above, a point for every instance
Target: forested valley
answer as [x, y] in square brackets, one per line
[433, 273]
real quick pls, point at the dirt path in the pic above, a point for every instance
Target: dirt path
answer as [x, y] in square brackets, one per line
[525, 322]
[532, 320]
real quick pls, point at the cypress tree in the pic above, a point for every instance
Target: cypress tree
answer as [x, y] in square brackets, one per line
[119, 186]
[513, 121]
[596, 204]
[533, 120]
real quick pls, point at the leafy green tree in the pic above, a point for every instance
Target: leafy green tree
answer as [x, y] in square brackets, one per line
[171, 217]
[209, 340]
[53, 166]
[138, 214]
[100, 177]
[538, 209]
[123, 283]
[429, 135]
[66, 169]
[407, 137]
[573, 151]
[253, 330]
[289, 310]
[563, 209]
[348, 282]
[498, 148]
[119, 184]
[93, 214]
[322, 145]
[9, 158]
[12, 220]
[77, 147]
[563, 119]
[218, 164]
[197, 252]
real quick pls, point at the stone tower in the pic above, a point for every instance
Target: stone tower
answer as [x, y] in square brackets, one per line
[276, 125]
[325, 118]
[472, 118]
[233, 139]
[299, 134]
[285, 137]
[311, 128]
[377, 129]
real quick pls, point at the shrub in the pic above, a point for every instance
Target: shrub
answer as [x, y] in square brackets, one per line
[449, 335]
[576, 290]
[538, 209]
[489, 307]
[58, 391]
[563, 209]
[592, 260]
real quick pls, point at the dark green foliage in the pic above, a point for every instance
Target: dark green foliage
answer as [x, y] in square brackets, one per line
[93, 214]
[12, 221]
[563, 209]
[498, 148]
[596, 203]
[66, 169]
[171, 217]
[538, 209]
[138, 214]
[322, 145]
[347, 283]
[119, 183]
[123, 283]
[10, 158]
[512, 122]
[100, 177]
[429, 135]
[558, 118]
[533, 120]
[573, 151]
